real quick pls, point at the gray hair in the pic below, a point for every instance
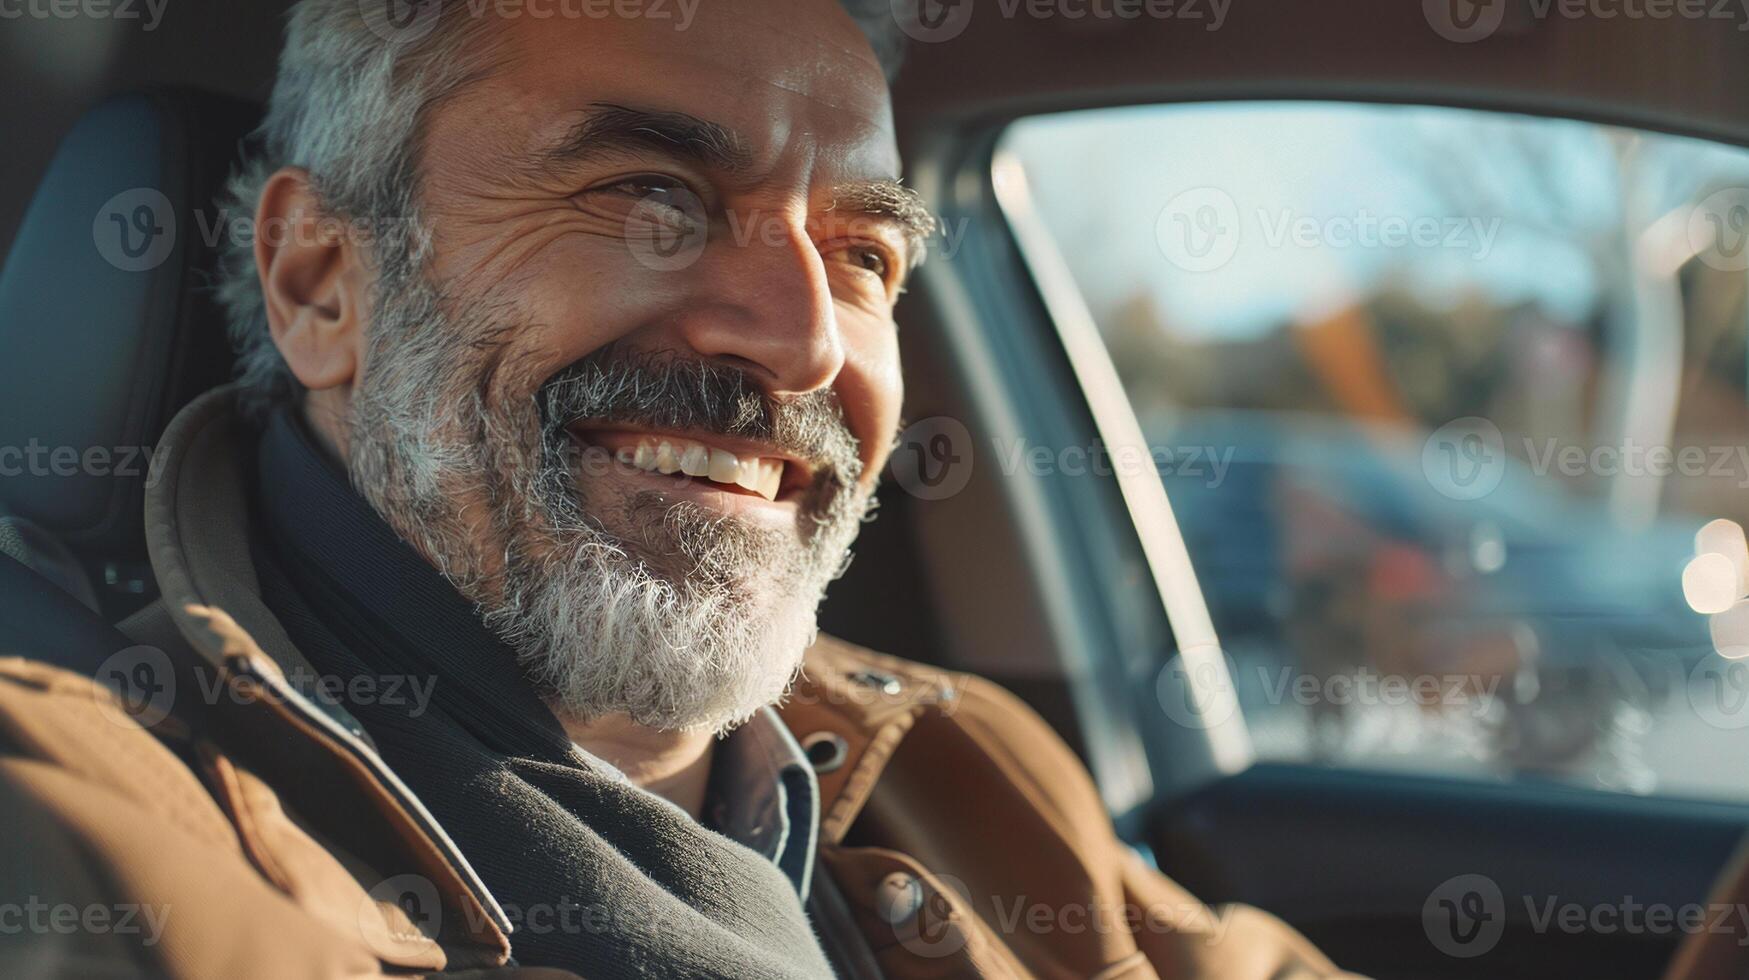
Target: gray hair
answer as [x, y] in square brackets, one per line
[348, 104]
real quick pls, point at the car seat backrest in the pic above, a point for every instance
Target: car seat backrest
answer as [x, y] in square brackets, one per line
[108, 323]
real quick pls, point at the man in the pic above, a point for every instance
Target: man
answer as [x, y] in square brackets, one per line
[567, 371]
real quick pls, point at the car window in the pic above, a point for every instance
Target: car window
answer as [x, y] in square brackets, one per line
[1440, 399]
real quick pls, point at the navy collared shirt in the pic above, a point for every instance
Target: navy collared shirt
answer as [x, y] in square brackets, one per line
[763, 795]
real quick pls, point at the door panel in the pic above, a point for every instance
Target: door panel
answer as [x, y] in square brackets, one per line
[1355, 859]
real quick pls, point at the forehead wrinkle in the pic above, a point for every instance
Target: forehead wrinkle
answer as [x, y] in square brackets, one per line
[610, 127]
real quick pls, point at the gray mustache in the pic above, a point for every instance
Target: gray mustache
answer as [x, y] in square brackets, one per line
[665, 391]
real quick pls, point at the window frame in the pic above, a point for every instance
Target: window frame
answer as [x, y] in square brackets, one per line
[1082, 541]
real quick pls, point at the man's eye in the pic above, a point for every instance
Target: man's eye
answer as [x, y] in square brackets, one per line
[658, 189]
[653, 197]
[870, 258]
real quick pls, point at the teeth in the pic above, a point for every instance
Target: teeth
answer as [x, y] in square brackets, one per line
[748, 476]
[762, 476]
[695, 461]
[724, 467]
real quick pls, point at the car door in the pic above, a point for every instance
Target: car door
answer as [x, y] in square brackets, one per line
[1356, 410]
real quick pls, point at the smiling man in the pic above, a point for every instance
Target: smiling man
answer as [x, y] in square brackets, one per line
[567, 370]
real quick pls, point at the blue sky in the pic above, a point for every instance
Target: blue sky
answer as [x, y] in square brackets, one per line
[1101, 179]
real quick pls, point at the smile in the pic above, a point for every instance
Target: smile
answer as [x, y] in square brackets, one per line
[730, 465]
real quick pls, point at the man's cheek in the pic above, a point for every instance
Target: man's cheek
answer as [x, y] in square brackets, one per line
[871, 390]
[876, 466]
[577, 296]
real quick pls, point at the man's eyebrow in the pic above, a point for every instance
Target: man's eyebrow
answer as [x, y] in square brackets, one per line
[611, 128]
[892, 201]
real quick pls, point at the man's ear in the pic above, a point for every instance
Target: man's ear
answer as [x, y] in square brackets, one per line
[314, 281]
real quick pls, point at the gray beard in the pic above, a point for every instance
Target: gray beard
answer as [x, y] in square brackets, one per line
[677, 616]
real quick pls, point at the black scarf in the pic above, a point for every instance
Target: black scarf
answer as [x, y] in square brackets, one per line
[597, 876]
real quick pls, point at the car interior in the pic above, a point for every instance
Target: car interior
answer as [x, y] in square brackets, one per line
[1116, 604]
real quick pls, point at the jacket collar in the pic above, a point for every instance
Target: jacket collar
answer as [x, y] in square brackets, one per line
[197, 537]
[409, 613]
[851, 709]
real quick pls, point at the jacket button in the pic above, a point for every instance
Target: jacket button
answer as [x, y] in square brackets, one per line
[898, 897]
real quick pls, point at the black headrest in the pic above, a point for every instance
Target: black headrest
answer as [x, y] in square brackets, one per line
[108, 323]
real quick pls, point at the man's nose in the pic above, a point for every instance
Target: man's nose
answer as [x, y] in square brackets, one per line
[770, 309]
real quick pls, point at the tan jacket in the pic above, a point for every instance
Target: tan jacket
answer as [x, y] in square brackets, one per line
[960, 837]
